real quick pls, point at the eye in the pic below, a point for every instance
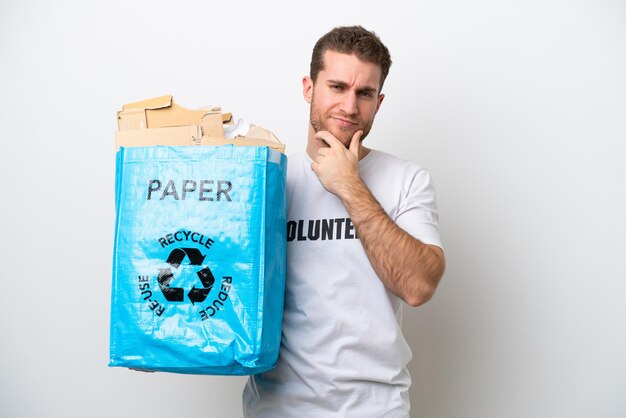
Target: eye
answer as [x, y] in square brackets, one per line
[366, 93]
[336, 87]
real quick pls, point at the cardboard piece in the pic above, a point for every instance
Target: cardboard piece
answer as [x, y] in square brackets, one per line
[161, 121]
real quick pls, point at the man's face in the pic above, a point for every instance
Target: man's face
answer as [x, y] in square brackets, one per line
[345, 97]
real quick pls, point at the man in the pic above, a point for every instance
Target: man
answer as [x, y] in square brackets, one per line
[362, 237]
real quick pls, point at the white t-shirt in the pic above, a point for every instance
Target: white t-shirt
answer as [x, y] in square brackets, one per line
[342, 349]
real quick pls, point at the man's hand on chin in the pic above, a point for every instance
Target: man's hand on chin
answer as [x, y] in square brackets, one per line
[337, 167]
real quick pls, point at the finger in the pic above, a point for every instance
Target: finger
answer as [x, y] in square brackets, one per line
[355, 144]
[329, 138]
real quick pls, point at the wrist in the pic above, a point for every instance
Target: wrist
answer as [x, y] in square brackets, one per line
[359, 201]
[351, 190]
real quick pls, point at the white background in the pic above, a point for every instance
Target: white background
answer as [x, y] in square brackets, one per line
[517, 108]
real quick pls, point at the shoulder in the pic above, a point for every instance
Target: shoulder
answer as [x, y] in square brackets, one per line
[297, 158]
[384, 164]
[298, 167]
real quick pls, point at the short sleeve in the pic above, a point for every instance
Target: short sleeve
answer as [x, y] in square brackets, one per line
[417, 213]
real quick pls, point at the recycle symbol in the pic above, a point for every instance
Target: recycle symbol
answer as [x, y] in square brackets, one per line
[177, 294]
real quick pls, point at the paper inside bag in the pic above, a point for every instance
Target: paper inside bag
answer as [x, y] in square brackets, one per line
[161, 121]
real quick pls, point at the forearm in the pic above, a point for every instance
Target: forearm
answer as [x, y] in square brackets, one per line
[406, 266]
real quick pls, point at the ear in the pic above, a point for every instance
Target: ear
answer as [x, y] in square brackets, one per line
[380, 101]
[307, 88]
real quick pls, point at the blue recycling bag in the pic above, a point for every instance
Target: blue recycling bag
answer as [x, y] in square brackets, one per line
[199, 259]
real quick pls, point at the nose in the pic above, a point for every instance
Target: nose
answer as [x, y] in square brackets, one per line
[348, 104]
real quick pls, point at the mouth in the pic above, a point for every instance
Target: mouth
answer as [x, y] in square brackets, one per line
[343, 122]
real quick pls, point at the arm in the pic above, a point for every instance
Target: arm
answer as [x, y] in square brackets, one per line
[406, 266]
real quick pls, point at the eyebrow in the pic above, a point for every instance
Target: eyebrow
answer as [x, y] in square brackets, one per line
[366, 89]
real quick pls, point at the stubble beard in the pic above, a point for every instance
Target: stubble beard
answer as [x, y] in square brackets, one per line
[318, 123]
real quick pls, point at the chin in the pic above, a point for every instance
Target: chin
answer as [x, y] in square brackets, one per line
[344, 136]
